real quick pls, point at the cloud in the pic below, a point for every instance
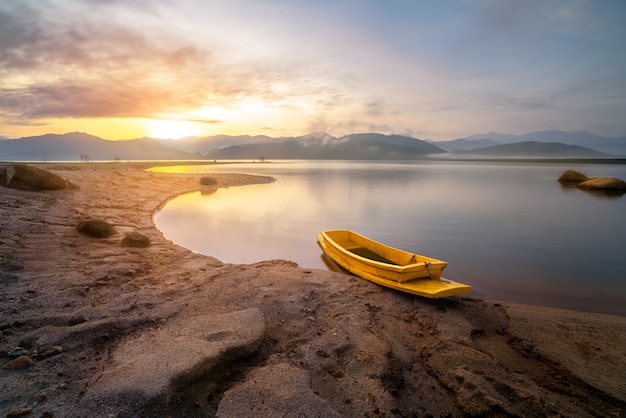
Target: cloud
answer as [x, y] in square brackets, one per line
[334, 66]
[577, 19]
[81, 99]
[90, 66]
[512, 103]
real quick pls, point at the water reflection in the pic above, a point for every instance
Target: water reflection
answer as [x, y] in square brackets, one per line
[208, 192]
[598, 193]
[507, 229]
[605, 193]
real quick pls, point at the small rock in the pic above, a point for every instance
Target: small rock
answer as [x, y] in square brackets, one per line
[19, 412]
[21, 362]
[571, 176]
[96, 228]
[208, 181]
[17, 352]
[76, 320]
[135, 239]
[28, 342]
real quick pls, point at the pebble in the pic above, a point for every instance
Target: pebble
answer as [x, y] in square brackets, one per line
[18, 412]
[22, 362]
[17, 352]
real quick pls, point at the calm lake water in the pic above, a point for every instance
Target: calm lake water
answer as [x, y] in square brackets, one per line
[508, 229]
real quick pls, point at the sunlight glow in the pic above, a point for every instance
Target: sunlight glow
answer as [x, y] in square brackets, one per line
[239, 110]
[253, 116]
[171, 129]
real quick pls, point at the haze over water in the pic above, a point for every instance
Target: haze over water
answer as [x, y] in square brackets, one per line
[508, 229]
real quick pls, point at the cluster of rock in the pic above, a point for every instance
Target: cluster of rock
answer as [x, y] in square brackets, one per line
[97, 228]
[30, 178]
[21, 358]
[598, 183]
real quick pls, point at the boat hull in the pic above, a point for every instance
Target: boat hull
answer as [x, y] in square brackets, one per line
[388, 266]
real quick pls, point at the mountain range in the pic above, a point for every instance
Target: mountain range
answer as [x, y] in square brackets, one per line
[76, 146]
[532, 149]
[318, 145]
[614, 146]
[322, 146]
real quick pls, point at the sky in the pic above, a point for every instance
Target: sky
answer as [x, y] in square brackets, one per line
[440, 70]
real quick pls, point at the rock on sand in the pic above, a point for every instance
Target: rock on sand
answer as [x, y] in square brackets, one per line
[26, 177]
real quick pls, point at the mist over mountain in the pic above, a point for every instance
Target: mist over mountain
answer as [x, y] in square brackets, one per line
[539, 136]
[533, 149]
[204, 145]
[615, 146]
[320, 145]
[463, 144]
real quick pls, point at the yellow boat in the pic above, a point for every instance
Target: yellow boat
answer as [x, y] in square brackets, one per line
[388, 266]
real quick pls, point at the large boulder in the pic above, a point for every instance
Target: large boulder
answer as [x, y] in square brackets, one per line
[603, 183]
[571, 176]
[158, 365]
[26, 177]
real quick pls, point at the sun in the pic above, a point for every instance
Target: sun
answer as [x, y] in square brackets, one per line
[171, 129]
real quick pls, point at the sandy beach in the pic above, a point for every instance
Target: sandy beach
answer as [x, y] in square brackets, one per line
[91, 327]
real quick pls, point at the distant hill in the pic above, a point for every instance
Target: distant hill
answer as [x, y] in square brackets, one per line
[533, 149]
[71, 146]
[463, 144]
[204, 145]
[366, 146]
[316, 145]
[320, 145]
[615, 146]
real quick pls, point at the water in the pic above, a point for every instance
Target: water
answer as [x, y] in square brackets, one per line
[508, 229]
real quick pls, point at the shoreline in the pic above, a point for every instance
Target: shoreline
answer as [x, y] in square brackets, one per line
[617, 160]
[90, 306]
